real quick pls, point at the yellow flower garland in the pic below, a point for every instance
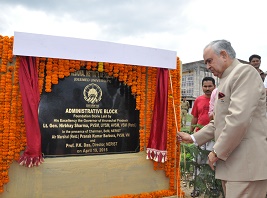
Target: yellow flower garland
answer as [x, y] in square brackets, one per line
[142, 81]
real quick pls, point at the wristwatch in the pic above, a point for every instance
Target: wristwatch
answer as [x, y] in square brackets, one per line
[214, 152]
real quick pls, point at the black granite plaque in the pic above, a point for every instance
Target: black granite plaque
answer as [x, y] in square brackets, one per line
[87, 114]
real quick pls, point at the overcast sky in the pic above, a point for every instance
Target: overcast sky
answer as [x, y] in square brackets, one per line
[185, 26]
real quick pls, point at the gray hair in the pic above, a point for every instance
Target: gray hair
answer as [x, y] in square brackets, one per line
[220, 45]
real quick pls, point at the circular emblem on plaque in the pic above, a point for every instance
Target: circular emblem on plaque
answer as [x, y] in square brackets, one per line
[92, 93]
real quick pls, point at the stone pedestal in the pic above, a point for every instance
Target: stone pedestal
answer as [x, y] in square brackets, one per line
[86, 177]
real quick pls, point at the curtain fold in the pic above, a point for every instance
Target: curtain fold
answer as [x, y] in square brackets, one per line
[157, 145]
[28, 79]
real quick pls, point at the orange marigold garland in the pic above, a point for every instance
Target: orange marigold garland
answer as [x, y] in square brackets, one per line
[134, 80]
[121, 72]
[177, 98]
[61, 69]
[55, 71]
[6, 132]
[1, 45]
[12, 130]
[94, 66]
[128, 75]
[5, 114]
[66, 68]
[5, 50]
[48, 77]
[10, 49]
[141, 92]
[77, 65]
[116, 70]
[155, 194]
[18, 111]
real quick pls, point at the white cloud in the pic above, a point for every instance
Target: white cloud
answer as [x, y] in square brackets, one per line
[41, 23]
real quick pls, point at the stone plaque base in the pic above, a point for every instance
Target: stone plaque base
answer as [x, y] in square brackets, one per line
[87, 176]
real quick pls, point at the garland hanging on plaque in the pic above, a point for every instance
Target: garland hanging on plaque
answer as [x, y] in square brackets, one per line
[140, 79]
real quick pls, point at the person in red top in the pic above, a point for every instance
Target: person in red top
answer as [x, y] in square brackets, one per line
[200, 110]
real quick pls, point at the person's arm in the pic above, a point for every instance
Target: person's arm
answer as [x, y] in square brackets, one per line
[193, 124]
